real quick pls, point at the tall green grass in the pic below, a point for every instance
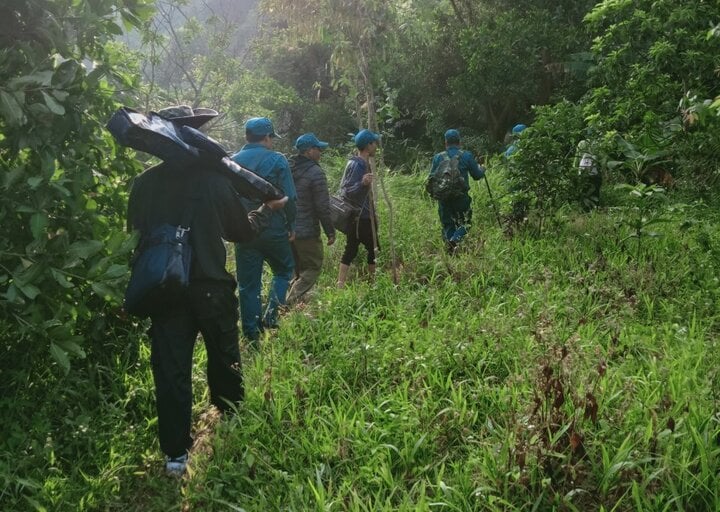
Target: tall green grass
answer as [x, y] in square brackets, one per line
[529, 373]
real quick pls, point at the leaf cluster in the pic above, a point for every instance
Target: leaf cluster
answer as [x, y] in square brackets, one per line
[63, 260]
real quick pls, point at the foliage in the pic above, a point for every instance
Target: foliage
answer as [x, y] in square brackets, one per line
[64, 252]
[575, 376]
[514, 58]
[636, 158]
[359, 36]
[193, 51]
[574, 379]
[573, 371]
[63, 178]
[541, 172]
[645, 198]
[253, 96]
[481, 65]
[649, 55]
[697, 155]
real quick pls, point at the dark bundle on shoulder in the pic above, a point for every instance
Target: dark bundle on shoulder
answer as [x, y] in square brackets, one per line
[178, 143]
[161, 264]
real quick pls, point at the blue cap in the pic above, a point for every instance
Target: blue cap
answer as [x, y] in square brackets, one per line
[309, 140]
[365, 137]
[260, 126]
[452, 135]
[518, 128]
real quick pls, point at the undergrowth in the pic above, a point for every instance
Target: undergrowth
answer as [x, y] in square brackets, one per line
[565, 371]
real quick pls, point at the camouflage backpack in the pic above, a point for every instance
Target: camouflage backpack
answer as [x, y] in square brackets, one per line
[447, 182]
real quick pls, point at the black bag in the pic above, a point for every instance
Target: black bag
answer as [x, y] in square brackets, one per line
[447, 183]
[175, 143]
[160, 272]
[343, 213]
[245, 182]
[151, 134]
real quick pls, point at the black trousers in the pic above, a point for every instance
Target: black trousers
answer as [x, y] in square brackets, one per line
[360, 232]
[591, 191]
[212, 310]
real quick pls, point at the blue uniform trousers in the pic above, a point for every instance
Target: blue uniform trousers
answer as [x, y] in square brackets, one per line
[249, 258]
[455, 217]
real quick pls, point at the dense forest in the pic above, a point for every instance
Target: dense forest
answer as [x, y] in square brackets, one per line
[566, 359]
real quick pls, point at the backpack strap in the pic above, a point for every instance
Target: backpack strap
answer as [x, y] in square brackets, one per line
[444, 158]
[342, 180]
[188, 214]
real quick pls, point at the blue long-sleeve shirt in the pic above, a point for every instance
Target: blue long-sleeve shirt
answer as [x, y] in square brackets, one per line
[273, 167]
[467, 165]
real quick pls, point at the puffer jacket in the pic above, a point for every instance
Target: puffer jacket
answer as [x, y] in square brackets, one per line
[313, 199]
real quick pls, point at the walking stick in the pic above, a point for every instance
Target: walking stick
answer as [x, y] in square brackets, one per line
[373, 227]
[492, 201]
[391, 218]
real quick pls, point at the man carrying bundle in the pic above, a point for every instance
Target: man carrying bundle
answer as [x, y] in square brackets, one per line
[205, 202]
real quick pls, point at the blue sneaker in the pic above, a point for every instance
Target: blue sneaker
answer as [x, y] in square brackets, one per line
[459, 235]
[176, 466]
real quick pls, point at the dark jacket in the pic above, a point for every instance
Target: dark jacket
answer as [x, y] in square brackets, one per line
[313, 199]
[352, 186]
[164, 194]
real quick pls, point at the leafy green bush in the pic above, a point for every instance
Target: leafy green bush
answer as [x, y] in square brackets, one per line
[64, 180]
[541, 172]
[698, 156]
[649, 54]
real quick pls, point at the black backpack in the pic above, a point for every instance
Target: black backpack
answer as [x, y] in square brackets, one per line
[447, 182]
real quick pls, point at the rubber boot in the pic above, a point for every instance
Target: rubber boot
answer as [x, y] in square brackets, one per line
[342, 275]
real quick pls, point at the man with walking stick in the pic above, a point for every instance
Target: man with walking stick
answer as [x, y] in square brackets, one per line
[356, 186]
[448, 183]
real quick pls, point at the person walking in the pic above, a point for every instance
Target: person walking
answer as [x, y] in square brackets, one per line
[514, 136]
[356, 187]
[313, 211]
[456, 212]
[589, 171]
[164, 194]
[273, 244]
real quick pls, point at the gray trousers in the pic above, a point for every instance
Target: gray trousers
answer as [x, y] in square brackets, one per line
[308, 255]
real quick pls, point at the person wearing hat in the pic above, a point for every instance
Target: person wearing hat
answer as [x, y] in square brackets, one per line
[456, 213]
[273, 243]
[164, 194]
[589, 171]
[356, 187]
[520, 203]
[313, 211]
[514, 136]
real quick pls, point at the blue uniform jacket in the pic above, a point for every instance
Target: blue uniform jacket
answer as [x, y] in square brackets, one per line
[467, 164]
[273, 167]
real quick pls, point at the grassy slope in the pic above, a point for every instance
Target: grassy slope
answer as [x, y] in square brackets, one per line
[552, 372]
[473, 384]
